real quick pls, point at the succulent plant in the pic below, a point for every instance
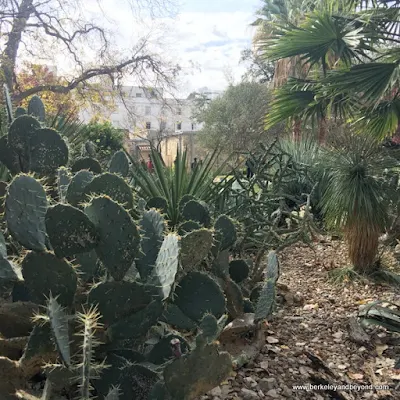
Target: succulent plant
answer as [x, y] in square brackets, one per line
[86, 163]
[36, 108]
[119, 164]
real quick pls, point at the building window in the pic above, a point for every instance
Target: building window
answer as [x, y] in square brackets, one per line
[148, 110]
[193, 126]
[138, 94]
[148, 125]
[179, 126]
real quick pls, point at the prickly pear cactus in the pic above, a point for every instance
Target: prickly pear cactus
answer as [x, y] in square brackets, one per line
[113, 186]
[36, 108]
[63, 180]
[70, 231]
[238, 270]
[119, 164]
[152, 227]
[86, 163]
[225, 232]
[25, 211]
[119, 237]
[75, 190]
[198, 294]
[159, 203]
[196, 211]
[198, 372]
[202, 241]
[8, 102]
[47, 151]
[20, 133]
[117, 300]
[45, 274]
[166, 266]
[20, 111]
[188, 226]
[9, 157]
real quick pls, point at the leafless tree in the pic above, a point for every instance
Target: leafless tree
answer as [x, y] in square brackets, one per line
[29, 27]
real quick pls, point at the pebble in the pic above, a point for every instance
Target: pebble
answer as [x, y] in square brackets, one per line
[273, 393]
[248, 394]
[267, 384]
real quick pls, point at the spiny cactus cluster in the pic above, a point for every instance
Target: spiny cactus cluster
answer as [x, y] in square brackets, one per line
[124, 299]
[29, 145]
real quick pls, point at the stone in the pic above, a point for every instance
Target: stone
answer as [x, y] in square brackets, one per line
[271, 340]
[267, 384]
[273, 393]
[216, 391]
[247, 394]
[264, 365]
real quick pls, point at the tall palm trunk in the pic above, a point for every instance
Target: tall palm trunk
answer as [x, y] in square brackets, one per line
[322, 131]
[362, 240]
[296, 132]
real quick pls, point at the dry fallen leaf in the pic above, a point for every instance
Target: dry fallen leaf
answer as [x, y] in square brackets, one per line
[380, 348]
[356, 376]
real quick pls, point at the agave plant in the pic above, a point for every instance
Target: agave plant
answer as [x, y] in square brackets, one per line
[357, 197]
[170, 184]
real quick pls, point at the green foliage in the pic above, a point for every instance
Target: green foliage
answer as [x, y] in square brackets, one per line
[233, 121]
[225, 232]
[202, 241]
[238, 270]
[75, 190]
[196, 211]
[173, 184]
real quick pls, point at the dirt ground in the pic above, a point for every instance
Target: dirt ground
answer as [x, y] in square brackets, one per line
[317, 326]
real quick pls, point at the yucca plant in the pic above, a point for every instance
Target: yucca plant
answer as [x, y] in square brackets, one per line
[172, 183]
[357, 196]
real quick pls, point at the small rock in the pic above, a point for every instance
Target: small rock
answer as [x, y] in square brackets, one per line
[248, 394]
[303, 371]
[267, 384]
[309, 307]
[264, 365]
[342, 366]
[272, 340]
[338, 335]
[216, 391]
[273, 393]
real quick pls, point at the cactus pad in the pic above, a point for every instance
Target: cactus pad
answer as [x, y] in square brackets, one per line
[152, 226]
[86, 265]
[198, 294]
[19, 111]
[59, 328]
[196, 373]
[75, 191]
[248, 306]
[45, 274]
[47, 152]
[113, 186]
[86, 163]
[25, 211]
[21, 131]
[159, 203]
[36, 108]
[90, 148]
[166, 266]
[238, 270]
[39, 344]
[119, 164]
[185, 199]
[225, 232]
[119, 237]
[9, 157]
[117, 300]
[201, 240]
[70, 231]
[266, 301]
[188, 226]
[175, 317]
[136, 325]
[272, 266]
[220, 266]
[234, 297]
[63, 180]
[209, 328]
[196, 211]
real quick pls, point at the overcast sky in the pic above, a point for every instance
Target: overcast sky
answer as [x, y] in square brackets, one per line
[206, 37]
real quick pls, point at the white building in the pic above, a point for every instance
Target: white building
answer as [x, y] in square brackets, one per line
[149, 118]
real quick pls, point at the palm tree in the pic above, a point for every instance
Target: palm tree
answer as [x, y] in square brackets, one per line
[352, 53]
[271, 17]
[356, 197]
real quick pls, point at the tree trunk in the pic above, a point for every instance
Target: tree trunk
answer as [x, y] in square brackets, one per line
[296, 129]
[322, 131]
[363, 240]
[9, 56]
